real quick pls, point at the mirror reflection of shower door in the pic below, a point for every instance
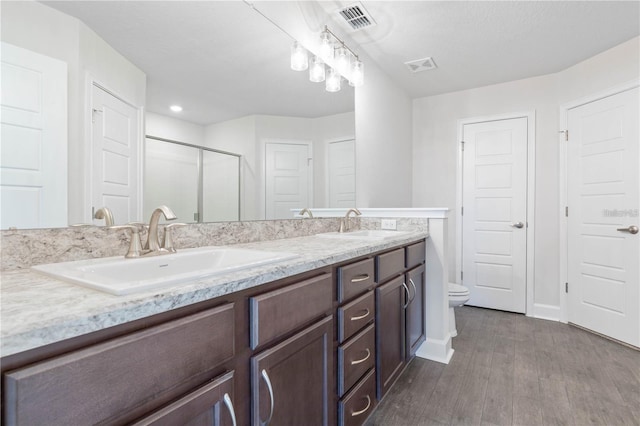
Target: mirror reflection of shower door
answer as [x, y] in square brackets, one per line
[198, 184]
[220, 187]
[171, 178]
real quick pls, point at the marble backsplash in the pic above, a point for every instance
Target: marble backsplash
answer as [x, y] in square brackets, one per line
[20, 249]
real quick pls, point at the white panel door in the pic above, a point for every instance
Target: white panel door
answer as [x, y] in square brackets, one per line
[494, 222]
[287, 178]
[342, 173]
[33, 139]
[603, 195]
[115, 156]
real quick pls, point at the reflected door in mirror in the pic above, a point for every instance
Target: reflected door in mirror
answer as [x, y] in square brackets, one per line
[34, 140]
[288, 178]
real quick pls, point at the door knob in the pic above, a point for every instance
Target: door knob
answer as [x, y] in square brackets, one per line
[633, 229]
[518, 225]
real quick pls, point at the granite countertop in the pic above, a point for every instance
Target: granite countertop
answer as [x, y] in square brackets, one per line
[37, 310]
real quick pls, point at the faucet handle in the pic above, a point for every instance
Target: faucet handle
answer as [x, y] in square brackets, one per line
[167, 238]
[135, 246]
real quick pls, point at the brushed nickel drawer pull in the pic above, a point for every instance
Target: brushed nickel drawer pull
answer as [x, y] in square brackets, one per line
[415, 290]
[359, 317]
[408, 295]
[357, 413]
[265, 376]
[360, 361]
[360, 278]
[229, 404]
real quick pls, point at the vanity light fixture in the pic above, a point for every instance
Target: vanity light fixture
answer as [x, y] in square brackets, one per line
[175, 108]
[299, 57]
[333, 81]
[357, 74]
[346, 60]
[316, 70]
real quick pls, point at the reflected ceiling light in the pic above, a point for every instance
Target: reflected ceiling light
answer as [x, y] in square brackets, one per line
[316, 70]
[175, 108]
[332, 83]
[299, 57]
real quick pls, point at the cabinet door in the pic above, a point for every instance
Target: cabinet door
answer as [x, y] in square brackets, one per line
[390, 333]
[210, 405]
[415, 312]
[291, 382]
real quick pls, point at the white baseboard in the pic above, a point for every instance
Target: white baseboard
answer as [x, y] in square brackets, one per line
[546, 312]
[436, 350]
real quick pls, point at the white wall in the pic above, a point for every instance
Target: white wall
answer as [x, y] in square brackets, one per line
[163, 126]
[39, 28]
[383, 142]
[435, 145]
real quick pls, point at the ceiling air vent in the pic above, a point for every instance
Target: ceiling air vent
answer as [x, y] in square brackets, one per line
[356, 17]
[419, 65]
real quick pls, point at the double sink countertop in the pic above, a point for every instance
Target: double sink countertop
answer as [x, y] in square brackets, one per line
[36, 310]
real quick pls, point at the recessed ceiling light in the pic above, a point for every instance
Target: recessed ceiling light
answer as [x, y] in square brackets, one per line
[175, 108]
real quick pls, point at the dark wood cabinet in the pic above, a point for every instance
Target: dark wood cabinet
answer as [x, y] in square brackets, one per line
[390, 333]
[210, 405]
[292, 382]
[123, 378]
[415, 311]
[271, 354]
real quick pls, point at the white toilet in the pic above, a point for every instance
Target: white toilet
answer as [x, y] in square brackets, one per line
[458, 296]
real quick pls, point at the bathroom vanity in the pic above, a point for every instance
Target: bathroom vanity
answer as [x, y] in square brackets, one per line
[318, 339]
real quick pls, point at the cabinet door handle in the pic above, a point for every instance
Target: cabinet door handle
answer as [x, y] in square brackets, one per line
[360, 278]
[265, 376]
[415, 290]
[359, 317]
[360, 361]
[227, 401]
[408, 295]
[357, 413]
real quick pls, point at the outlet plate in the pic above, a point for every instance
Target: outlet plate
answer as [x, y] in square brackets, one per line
[388, 224]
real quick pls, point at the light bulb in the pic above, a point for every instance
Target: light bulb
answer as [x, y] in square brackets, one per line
[342, 60]
[326, 47]
[357, 74]
[299, 57]
[316, 70]
[332, 84]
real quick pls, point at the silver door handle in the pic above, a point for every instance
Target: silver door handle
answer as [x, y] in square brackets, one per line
[415, 289]
[518, 225]
[633, 229]
[408, 296]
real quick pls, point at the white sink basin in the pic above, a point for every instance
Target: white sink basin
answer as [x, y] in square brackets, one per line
[117, 275]
[365, 234]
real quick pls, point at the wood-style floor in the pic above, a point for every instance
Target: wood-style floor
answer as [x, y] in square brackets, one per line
[508, 369]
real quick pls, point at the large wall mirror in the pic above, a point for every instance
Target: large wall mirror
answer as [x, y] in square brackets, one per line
[87, 88]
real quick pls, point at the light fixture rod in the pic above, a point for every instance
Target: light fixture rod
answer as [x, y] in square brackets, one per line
[252, 6]
[341, 42]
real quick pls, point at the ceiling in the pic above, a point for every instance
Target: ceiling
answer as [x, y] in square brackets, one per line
[222, 60]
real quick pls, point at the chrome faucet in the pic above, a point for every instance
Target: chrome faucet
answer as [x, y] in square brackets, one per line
[345, 222]
[106, 214]
[153, 240]
[306, 210]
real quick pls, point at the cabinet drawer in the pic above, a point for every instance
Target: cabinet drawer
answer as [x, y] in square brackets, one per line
[109, 381]
[355, 279]
[415, 254]
[354, 358]
[389, 265]
[358, 405]
[211, 404]
[355, 315]
[286, 309]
